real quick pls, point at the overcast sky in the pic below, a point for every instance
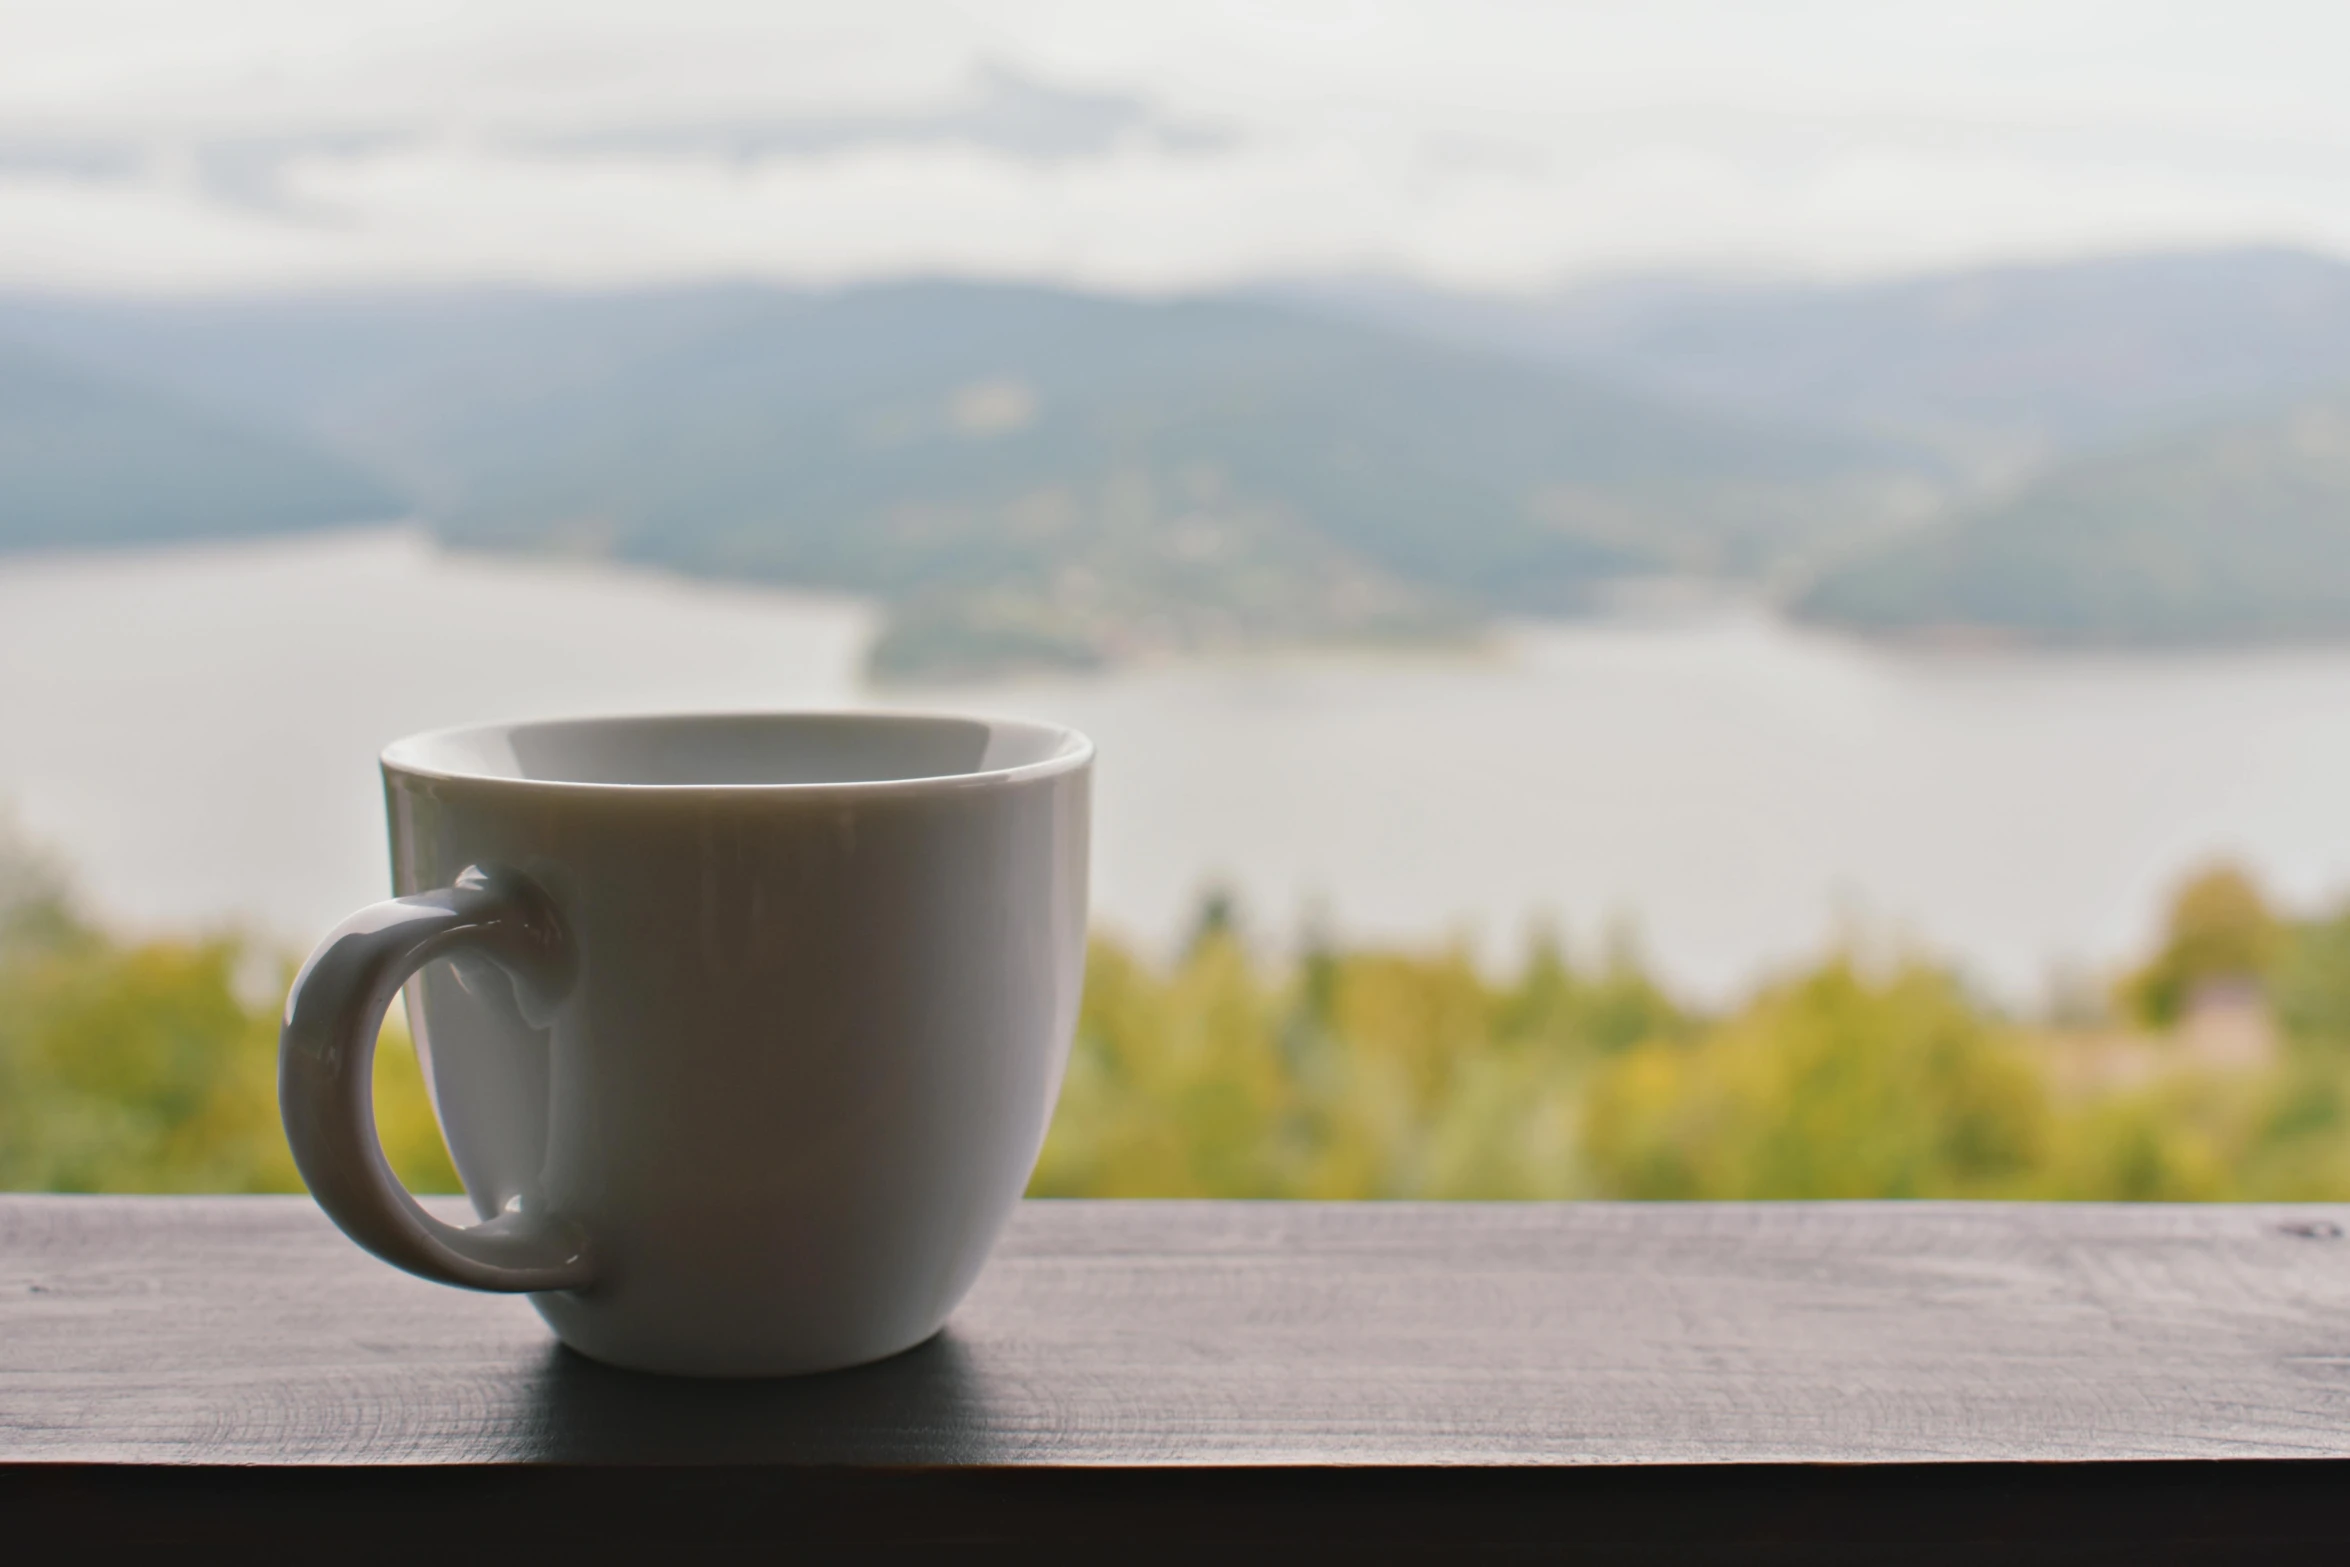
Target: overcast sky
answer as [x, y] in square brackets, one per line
[226, 144]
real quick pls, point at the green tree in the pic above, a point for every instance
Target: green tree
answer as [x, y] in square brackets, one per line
[143, 1067]
[1834, 1085]
[1357, 1074]
[2310, 985]
[2220, 928]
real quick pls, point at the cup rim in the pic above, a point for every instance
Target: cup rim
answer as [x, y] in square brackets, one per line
[1072, 751]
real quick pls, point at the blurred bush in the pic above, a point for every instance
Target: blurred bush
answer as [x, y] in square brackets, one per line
[1833, 1085]
[151, 1066]
[2220, 932]
[1361, 1074]
[2222, 1071]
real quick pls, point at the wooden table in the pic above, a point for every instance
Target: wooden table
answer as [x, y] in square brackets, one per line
[1145, 1381]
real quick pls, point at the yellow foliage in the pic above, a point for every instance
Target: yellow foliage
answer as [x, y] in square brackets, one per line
[139, 1068]
[1371, 1074]
[1831, 1086]
[143, 1066]
[2220, 928]
[2198, 1136]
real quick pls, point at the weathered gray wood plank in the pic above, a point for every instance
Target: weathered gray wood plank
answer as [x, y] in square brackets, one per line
[245, 1330]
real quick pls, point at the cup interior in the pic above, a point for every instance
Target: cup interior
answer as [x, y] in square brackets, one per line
[737, 750]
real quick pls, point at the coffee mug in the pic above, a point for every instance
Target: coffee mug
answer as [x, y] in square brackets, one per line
[743, 1030]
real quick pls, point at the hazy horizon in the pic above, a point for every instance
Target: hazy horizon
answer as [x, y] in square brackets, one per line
[252, 145]
[2021, 817]
[1663, 278]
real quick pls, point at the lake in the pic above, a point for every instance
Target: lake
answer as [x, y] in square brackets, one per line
[194, 732]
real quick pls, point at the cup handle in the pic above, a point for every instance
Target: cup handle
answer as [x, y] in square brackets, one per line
[326, 1086]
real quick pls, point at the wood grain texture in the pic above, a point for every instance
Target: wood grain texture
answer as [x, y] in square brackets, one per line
[240, 1331]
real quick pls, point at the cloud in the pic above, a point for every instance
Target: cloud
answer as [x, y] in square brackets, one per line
[249, 172]
[1000, 110]
[1129, 145]
[253, 172]
[86, 158]
[1003, 111]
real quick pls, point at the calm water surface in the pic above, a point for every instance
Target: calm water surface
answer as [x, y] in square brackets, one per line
[196, 730]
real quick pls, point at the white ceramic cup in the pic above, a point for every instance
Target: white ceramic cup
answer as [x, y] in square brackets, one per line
[745, 1029]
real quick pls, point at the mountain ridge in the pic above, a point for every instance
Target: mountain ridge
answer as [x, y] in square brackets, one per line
[2231, 534]
[86, 461]
[1027, 475]
[1999, 365]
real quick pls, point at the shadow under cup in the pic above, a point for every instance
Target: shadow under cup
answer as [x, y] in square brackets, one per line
[777, 1046]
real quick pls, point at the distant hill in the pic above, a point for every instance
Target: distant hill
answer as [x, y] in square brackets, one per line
[1034, 476]
[377, 375]
[2239, 533]
[87, 460]
[1999, 365]
[1024, 475]
[1040, 465]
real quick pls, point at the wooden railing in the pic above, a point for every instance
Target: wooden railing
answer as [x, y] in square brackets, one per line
[1135, 1381]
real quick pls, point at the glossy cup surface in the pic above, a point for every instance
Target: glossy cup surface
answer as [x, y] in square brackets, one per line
[827, 969]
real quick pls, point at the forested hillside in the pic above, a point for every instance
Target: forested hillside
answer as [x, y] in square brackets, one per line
[2116, 451]
[2001, 364]
[2231, 535]
[1027, 475]
[87, 461]
[1028, 469]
